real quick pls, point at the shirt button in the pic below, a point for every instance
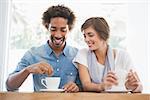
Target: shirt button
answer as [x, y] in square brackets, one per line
[57, 60]
[70, 73]
[57, 69]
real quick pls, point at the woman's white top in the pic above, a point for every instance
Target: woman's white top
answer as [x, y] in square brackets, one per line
[122, 59]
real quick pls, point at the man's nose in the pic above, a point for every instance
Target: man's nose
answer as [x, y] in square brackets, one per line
[58, 33]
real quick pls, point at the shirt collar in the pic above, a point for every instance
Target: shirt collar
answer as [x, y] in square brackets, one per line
[66, 50]
[50, 50]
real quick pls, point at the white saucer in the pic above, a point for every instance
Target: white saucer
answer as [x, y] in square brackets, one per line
[51, 90]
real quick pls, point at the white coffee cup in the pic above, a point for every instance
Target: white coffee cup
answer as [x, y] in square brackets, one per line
[51, 82]
[121, 75]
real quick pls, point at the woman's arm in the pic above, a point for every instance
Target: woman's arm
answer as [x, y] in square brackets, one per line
[86, 81]
[88, 85]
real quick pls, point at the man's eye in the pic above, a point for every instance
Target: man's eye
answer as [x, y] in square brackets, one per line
[52, 30]
[64, 30]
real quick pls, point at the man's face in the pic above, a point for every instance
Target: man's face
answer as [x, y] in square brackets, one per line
[58, 28]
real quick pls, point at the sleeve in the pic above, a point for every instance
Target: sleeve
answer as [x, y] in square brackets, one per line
[126, 60]
[24, 62]
[129, 62]
[81, 58]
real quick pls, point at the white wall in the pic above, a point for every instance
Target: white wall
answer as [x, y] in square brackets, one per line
[148, 46]
[138, 40]
[3, 37]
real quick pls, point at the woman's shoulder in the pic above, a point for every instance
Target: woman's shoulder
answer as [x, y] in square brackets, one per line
[81, 57]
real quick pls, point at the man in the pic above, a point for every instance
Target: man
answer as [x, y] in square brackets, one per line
[52, 59]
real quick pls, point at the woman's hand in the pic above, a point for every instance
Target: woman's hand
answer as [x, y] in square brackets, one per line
[133, 82]
[110, 80]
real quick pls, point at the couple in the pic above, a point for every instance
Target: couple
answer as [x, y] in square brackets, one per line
[56, 57]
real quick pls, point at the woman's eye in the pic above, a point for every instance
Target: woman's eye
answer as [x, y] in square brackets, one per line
[91, 35]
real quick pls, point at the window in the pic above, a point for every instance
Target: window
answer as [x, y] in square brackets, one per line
[27, 29]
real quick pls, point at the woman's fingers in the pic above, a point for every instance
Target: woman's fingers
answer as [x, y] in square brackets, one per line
[112, 78]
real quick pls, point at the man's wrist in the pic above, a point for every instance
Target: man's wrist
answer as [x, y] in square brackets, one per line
[27, 70]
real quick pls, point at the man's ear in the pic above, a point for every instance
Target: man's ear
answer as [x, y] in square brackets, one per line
[46, 25]
[49, 26]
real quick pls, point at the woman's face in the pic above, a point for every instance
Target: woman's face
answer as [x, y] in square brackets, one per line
[92, 39]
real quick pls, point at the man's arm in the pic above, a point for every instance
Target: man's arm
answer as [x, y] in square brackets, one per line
[15, 80]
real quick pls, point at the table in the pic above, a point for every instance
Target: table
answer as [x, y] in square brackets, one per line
[72, 96]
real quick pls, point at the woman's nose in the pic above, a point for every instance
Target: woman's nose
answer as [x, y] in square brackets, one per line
[86, 39]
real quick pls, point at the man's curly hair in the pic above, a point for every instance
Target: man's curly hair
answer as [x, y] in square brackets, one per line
[58, 11]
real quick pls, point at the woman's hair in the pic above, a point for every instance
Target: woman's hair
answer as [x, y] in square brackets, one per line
[99, 24]
[58, 11]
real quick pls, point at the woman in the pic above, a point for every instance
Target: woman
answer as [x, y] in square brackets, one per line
[96, 65]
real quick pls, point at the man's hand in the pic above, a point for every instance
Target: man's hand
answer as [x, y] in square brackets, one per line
[71, 87]
[40, 68]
